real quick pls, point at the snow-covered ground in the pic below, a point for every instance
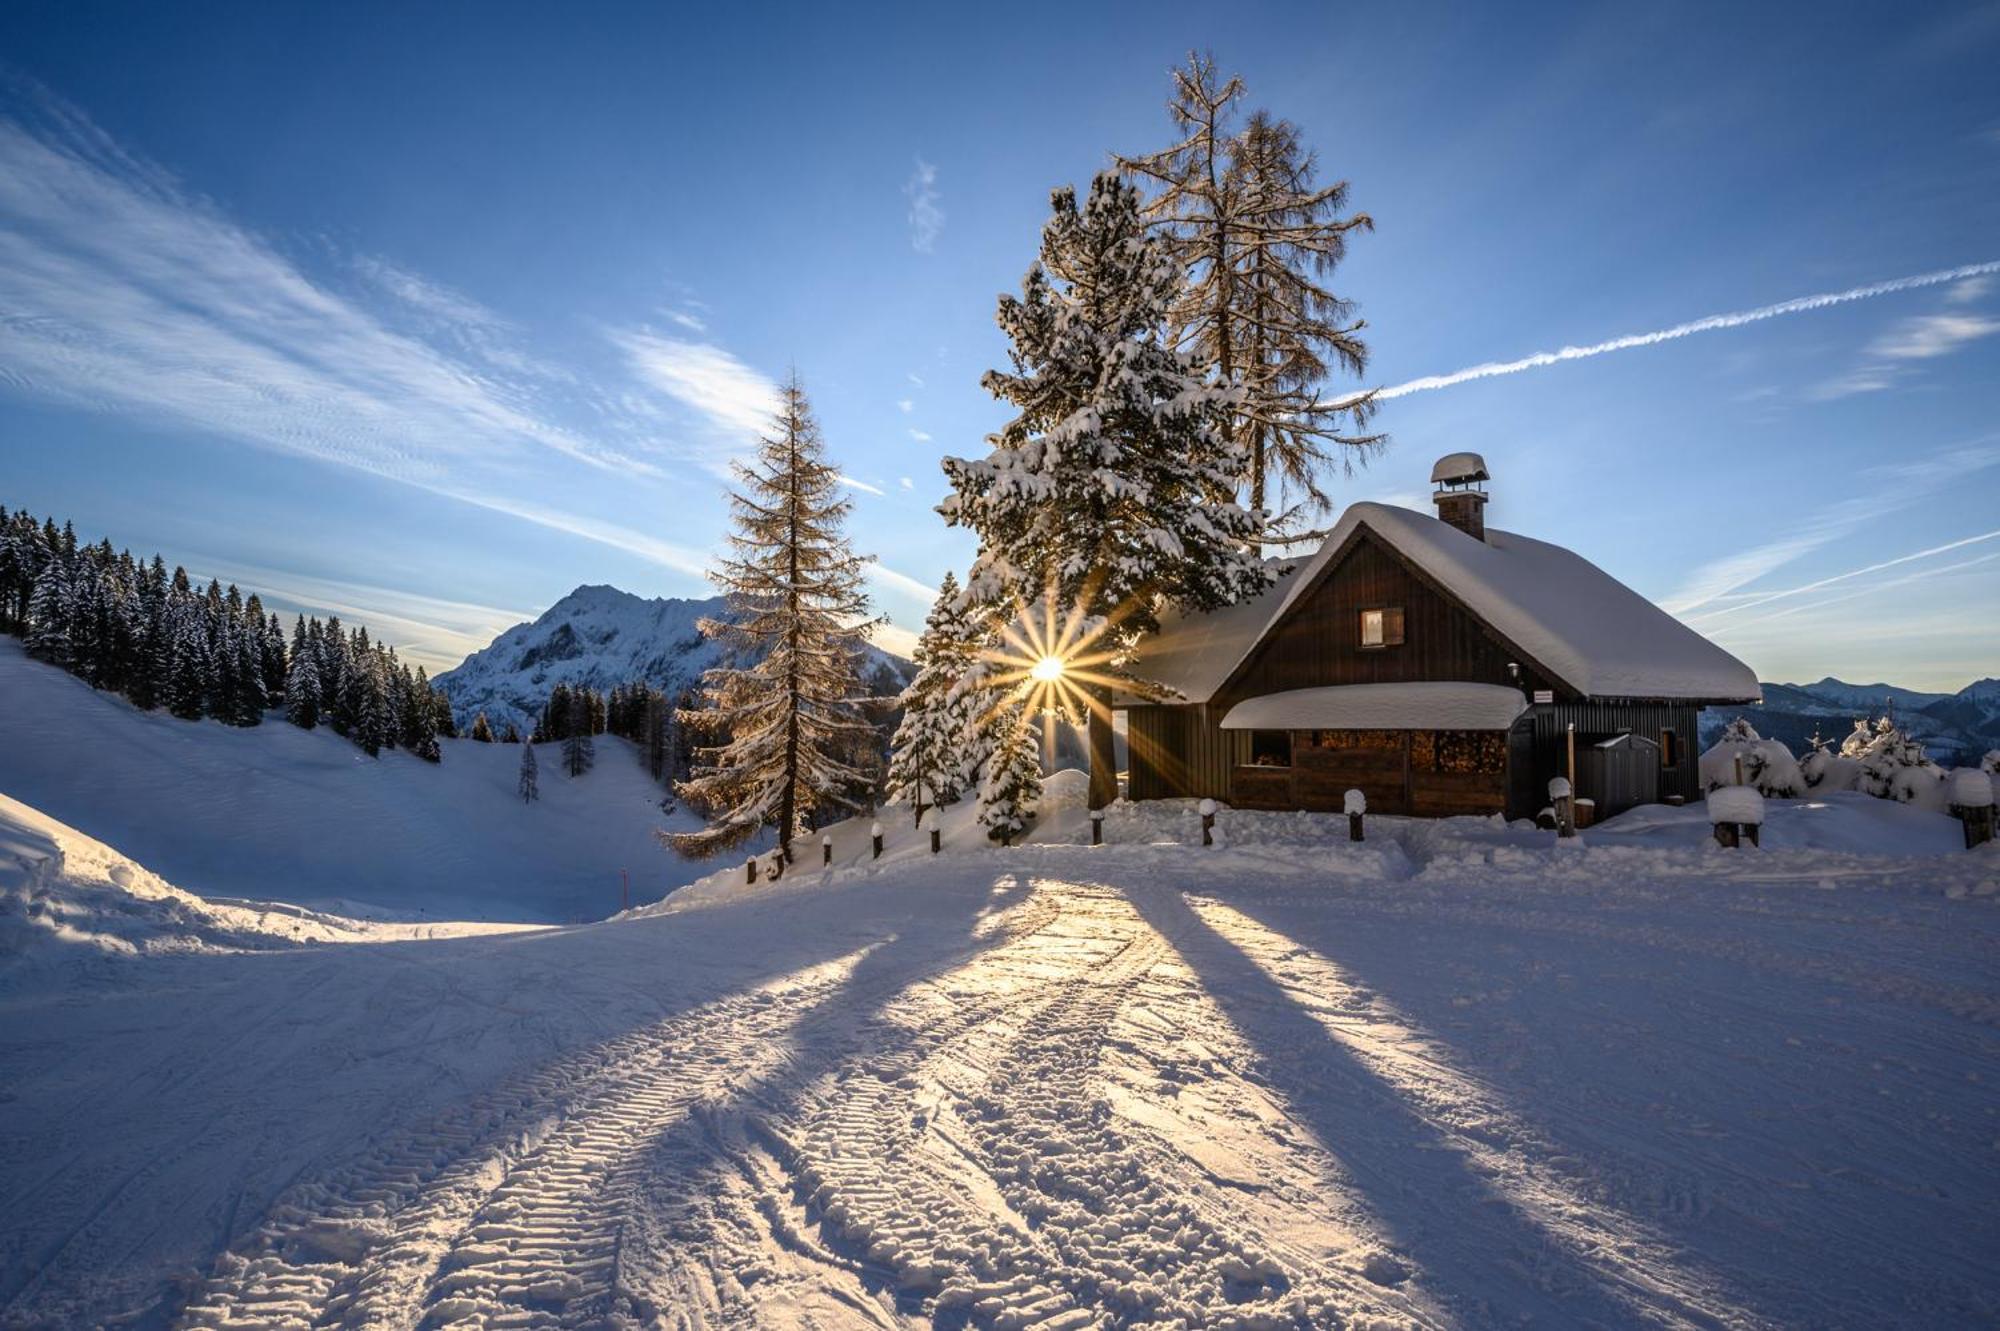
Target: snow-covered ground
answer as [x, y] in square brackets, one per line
[276, 813]
[1454, 1076]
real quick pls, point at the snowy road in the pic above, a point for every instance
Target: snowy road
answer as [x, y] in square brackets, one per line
[1055, 1088]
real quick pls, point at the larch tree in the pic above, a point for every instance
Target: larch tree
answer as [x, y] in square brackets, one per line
[927, 756]
[1112, 492]
[785, 695]
[1256, 238]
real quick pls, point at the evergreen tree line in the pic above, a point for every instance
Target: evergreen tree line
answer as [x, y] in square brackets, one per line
[133, 628]
[1169, 351]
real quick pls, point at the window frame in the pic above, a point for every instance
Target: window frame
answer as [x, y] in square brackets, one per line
[1390, 614]
[1291, 755]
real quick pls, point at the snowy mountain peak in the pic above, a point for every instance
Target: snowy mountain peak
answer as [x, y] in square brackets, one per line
[596, 636]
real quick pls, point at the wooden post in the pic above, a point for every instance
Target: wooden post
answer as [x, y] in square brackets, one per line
[1207, 811]
[1739, 769]
[1753, 833]
[826, 848]
[624, 889]
[1978, 823]
[1354, 827]
[875, 835]
[1725, 834]
[750, 866]
[777, 865]
[1097, 827]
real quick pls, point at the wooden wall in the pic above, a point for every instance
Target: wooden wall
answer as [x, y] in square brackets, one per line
[1182, 751]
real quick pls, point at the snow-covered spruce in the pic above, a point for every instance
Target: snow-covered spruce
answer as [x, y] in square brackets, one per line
[1112, 491]
[1013, 779]
[928, 762]
[1765, 764]
[794, 588]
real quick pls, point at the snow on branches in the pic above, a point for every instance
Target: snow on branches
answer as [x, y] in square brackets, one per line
[1113, 488]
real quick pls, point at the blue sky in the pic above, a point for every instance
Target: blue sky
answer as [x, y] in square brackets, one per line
[429, 313]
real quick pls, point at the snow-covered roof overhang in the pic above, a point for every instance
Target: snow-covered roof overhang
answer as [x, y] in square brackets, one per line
[1422, 705]
[1557, 608]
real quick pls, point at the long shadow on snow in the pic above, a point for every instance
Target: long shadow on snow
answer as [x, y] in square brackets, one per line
[1475, 1248]
[210, 1102]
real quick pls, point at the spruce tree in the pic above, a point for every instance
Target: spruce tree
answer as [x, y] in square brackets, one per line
[1111, 495]
[530, 789]
[1255, 237]
[927, 756]
[302, 688]
[1013, 780]
[578, 750]
[797, 612]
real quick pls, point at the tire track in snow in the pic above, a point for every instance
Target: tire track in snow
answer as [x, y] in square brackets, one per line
[507, 1203]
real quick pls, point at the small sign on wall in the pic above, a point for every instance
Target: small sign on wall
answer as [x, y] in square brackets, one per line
[1545, 695]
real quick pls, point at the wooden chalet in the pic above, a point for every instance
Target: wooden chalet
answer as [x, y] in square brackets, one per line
[1436, 665]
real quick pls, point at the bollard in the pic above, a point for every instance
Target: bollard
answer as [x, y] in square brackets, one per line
[930, 824]
[875, 833]
[1971, 800]
[1562, 797]
[1097, 827]
[1725, 835]
[750, 866]
[1207, 810]
[826, 848]
[777, 865]
[1356, 805]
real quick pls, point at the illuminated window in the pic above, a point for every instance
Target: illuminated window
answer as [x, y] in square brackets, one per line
[1382, 628]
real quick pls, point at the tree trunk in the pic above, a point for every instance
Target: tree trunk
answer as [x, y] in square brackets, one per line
[1103, 753]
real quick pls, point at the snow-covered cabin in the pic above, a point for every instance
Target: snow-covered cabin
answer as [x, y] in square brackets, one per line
[1432, 663]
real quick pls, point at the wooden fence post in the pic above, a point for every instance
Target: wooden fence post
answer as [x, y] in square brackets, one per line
[875, 835]
[1355, 802]
[1097, 827]
[750, 867]
[1207, 810]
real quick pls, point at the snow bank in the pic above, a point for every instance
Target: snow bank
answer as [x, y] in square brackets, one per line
[304, 816]
[64, 895]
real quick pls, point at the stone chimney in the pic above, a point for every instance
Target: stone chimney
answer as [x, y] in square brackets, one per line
[1460, 496]
[1461, 492]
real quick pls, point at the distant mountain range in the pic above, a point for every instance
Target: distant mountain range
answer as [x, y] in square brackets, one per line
[596, 636]
[1956, 728]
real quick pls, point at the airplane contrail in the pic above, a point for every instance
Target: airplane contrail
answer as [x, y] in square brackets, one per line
[1494, 369]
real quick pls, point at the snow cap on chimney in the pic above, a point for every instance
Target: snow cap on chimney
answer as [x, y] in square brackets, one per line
[1460, 495]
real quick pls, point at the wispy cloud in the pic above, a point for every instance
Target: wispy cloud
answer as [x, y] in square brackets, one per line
[857, 484]
[1932, 335]
[903, 582]
[920, 436]
[1712, 323]
[905, 405]
[1968, 291]
[1887, 490]
[124, 293]
[926, 209]
[731, 395]
[906, 483]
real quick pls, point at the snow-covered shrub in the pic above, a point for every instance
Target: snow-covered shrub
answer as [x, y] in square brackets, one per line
[1736, 804]
[1768, 765]
[1895, 767]
[1830, 770]
[1990, 764]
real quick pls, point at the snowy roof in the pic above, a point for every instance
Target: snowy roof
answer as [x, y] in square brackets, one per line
[1459, 467]
[1420, 705]
[1592, 631]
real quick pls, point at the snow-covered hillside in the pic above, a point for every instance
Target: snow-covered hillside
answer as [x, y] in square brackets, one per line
[1455, 1076]
[279, 813]
[596, 636]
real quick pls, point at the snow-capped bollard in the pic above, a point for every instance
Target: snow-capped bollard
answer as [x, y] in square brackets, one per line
[1356, 805]
[1097, 827]
[1737, 813]
[875, 834]
[1207, 811]
[826, 848]
[777, 865]
[1972, 804]
[750, 867]
[930, 824]
[1564, 801]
